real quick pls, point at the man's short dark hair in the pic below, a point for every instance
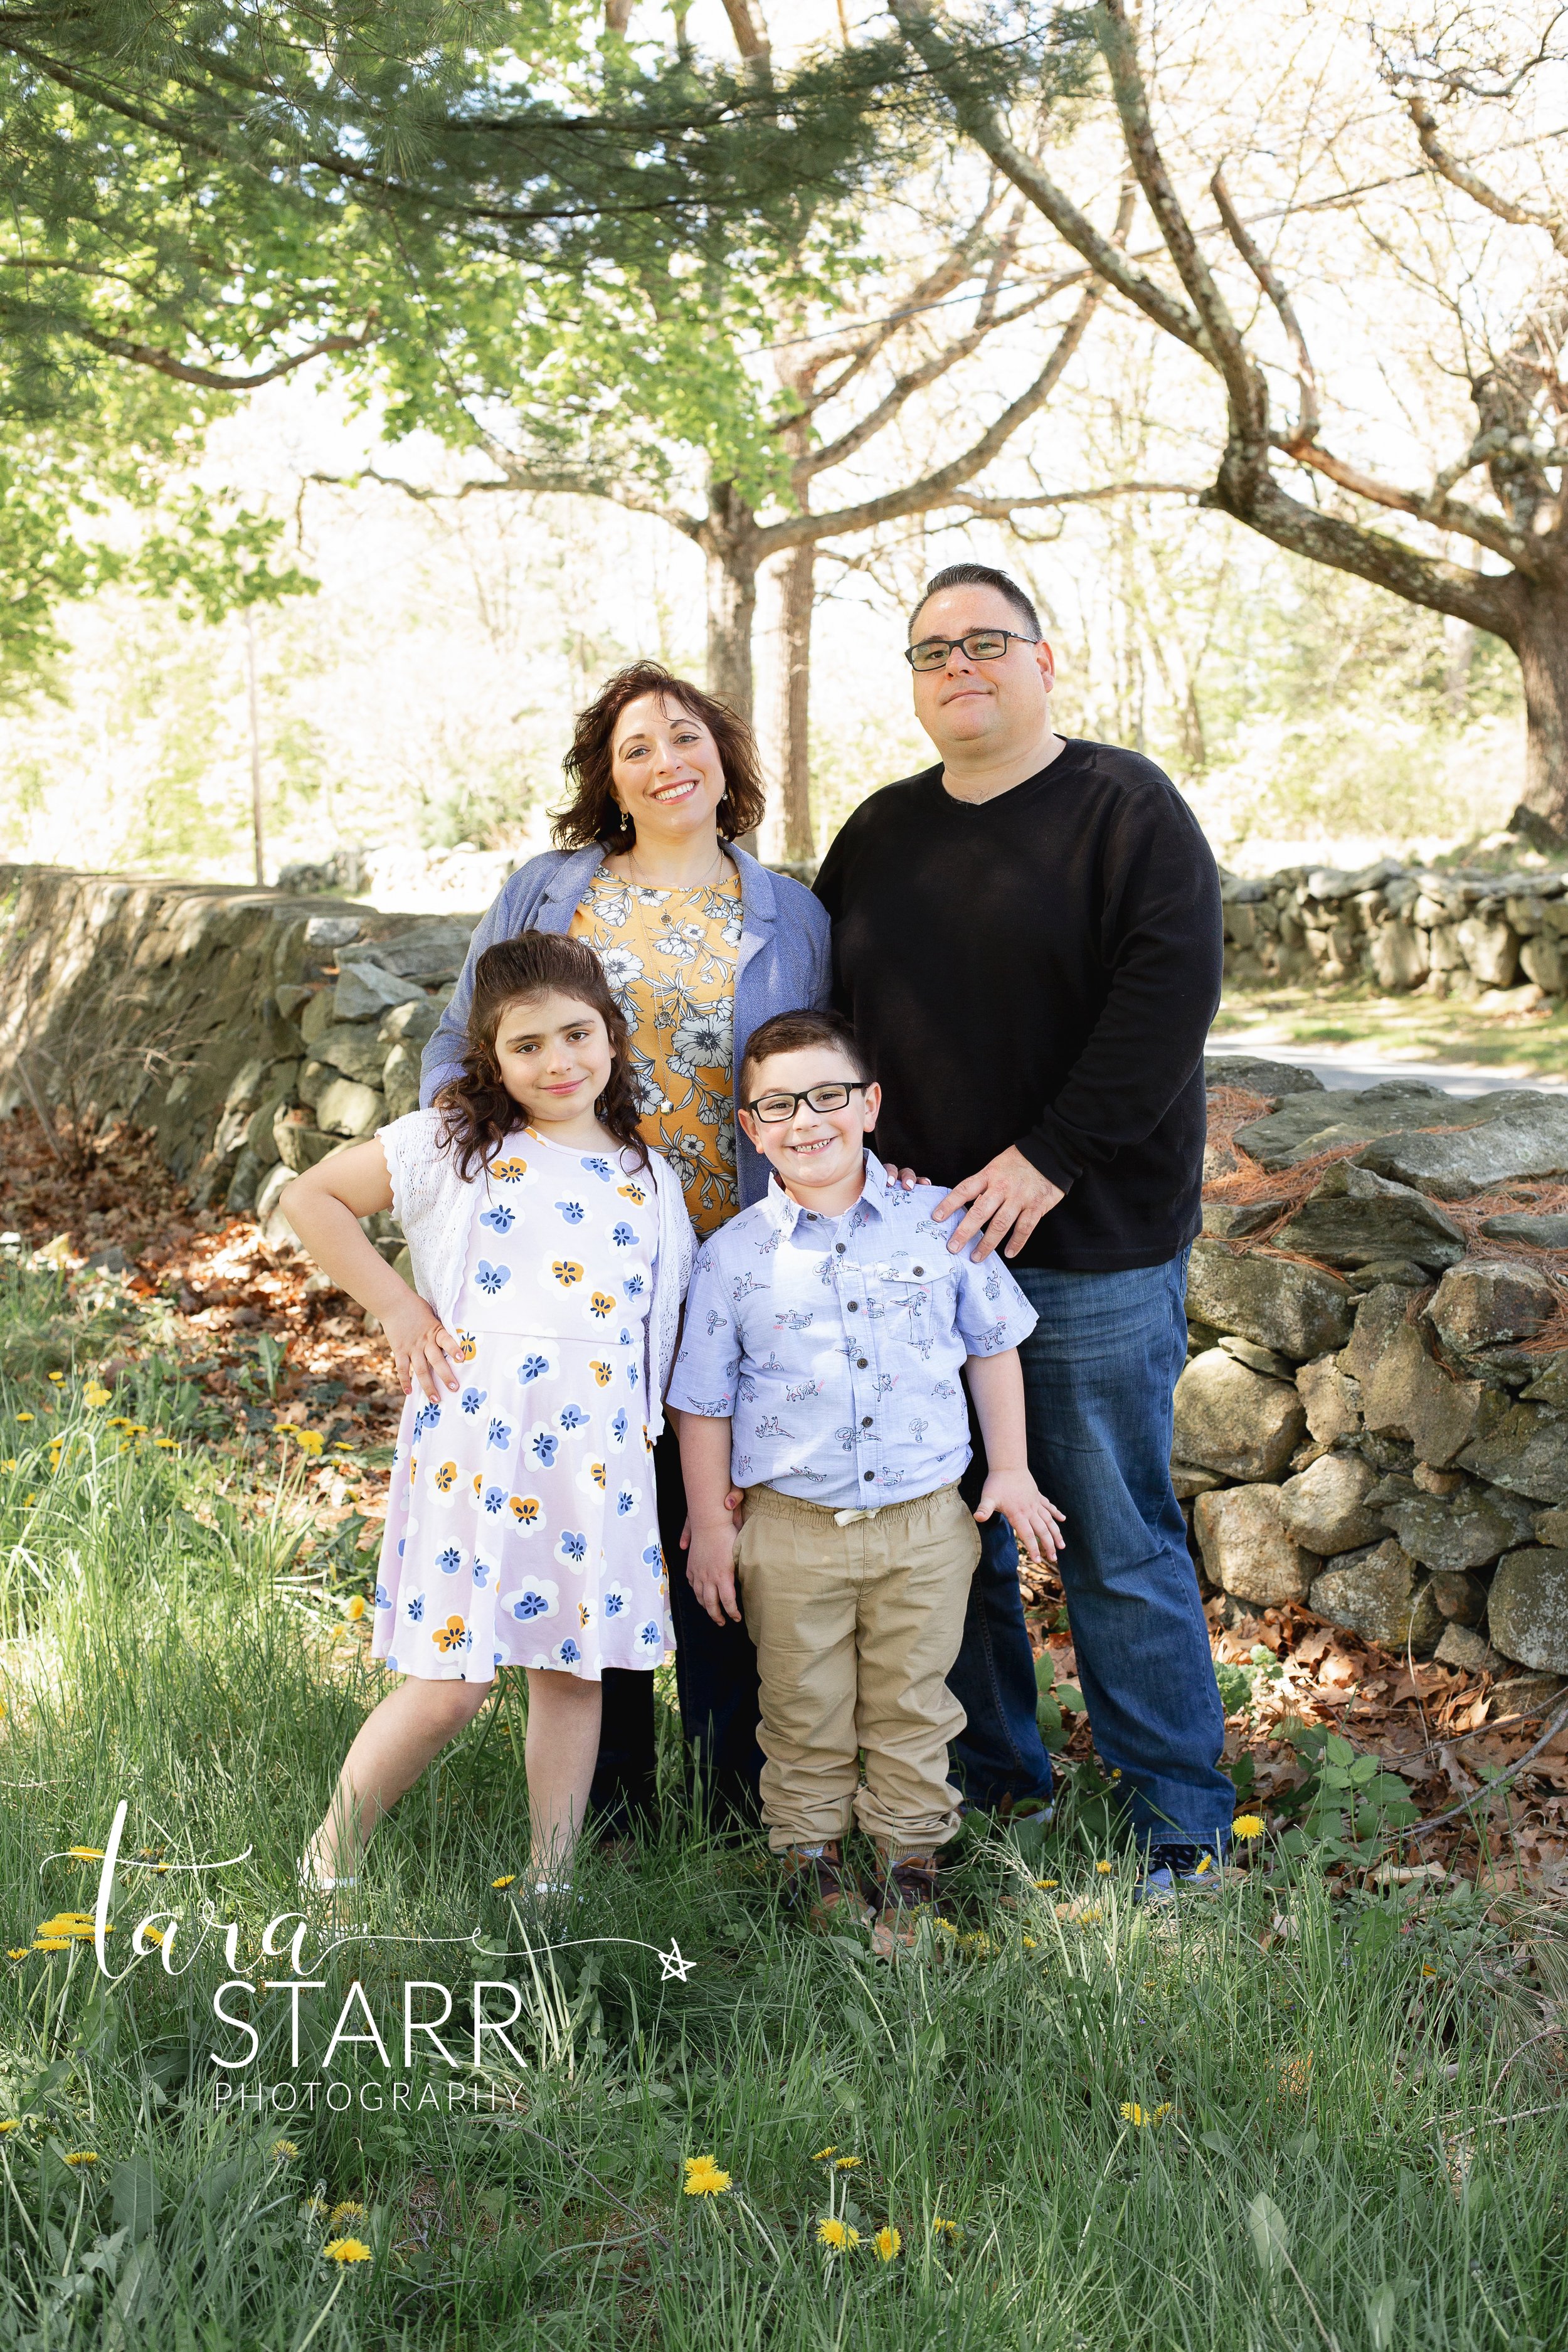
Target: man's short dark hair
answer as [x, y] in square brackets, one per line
[788, 1032]
[979, 575]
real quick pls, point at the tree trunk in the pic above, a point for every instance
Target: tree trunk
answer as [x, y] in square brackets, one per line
[795, 703]
[731, 610]
[1543, 649]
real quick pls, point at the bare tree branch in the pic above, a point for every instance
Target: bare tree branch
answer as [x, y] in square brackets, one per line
[163, 363]
[1263, 270]
[1461, 176]
[570, 481]
[1447, 514]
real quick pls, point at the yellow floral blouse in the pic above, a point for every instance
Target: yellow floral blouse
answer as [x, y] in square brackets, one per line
[671, 956]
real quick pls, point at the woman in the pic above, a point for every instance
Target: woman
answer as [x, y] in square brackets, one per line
[701, 944]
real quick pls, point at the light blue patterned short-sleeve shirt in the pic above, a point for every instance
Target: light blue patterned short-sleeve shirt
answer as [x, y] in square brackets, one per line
[834, 1346]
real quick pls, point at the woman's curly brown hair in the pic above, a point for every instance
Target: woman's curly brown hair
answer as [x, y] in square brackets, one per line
[594, 814]
[479, 1113]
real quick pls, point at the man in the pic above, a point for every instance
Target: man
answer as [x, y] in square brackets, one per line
[1026, 937]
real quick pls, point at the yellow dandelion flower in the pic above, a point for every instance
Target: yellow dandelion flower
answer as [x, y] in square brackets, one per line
[1132, 2113]
[1045, 1885]
[889, 2243]
[1247, 1825]
[835, 2235]
[357, 1607]
[310, 1441]
[1205, 1862]
[346, 2249]
[318, 2208]
[1427, 1970]
[846, 2164]
[152, 1935]
[18, 1952]
[167, 1444]
[284, 2150]
[941, 2228]
[95, 1394]
[703, 2178]
[27, 1501]
[52, 1944]
[1105, 1868]
[510, 1880]
[350, 2209]
[831, 2149]
[58, 1378]
[82, 2155]
[946, 1925]
[85, 1852]
[25, 1416]
[1031, 1943]
[10, 2123]
[9, 1464]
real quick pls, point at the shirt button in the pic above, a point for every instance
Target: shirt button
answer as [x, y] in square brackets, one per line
[919, 1269]
[860, 1363]
[839, 1248]
[865, 1421]
[854, 1307]
[868, 1474]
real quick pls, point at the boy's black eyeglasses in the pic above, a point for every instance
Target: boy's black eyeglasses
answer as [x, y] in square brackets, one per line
[773, 1109]
[980, 645]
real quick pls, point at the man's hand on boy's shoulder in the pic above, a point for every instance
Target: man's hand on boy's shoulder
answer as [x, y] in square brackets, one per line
[1008, 1197]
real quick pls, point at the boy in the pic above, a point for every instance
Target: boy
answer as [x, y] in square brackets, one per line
[826, 1329]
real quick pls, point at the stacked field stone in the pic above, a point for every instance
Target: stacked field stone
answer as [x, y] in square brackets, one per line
[1497, 937]
[1361, 1425]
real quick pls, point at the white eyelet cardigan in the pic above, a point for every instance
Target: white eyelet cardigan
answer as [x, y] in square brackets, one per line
[431, 1201]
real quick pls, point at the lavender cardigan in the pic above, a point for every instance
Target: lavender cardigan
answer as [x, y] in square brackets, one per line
[783, 963]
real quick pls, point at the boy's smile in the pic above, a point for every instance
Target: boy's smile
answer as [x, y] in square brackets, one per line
[819, 1156]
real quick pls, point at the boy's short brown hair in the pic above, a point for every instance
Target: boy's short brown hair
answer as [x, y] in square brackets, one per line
[788, 1032]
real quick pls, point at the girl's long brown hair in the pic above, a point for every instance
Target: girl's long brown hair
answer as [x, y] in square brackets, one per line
[479, 1113]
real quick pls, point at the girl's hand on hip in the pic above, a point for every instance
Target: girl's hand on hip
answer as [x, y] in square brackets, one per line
[1034, 1521]
[423, 1350]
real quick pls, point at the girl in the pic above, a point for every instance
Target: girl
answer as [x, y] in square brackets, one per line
[551, 1253]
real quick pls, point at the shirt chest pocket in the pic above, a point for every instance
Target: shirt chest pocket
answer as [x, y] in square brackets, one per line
[912, 1302]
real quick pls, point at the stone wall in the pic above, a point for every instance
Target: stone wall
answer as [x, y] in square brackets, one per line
[1373, 1417]
[1497, 937]
[252, 1031]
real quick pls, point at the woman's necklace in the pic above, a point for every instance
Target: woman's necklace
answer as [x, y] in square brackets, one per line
[701, 884]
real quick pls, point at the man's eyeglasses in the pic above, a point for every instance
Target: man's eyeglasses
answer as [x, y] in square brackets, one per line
[773, 1109]
[980, 645]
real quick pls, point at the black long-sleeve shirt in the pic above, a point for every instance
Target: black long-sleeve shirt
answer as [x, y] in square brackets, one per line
[1041, 970]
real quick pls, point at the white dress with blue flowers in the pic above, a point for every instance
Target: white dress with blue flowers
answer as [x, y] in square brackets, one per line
[521, 1528]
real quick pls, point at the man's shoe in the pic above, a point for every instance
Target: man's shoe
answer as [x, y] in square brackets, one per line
[907, 1893]
[1172, 1868]
[828, 1890]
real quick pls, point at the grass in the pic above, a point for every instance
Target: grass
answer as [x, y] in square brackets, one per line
[1344, 2139]
[1403, 1028]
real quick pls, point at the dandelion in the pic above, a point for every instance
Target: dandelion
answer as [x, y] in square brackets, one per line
[310, 1441]
[82, 2155]
[95, 1394]
[27, 1501]
[1427, 1970]
[168, 1444]
[832, 2149]
[85, 1852]
[1105, 1868]
[846, 2164]
[52, 1944]
[1132, 2113]
[346, 2249]
[1031, 1943]
[59, 1378]
[284, 2150]
[9, 1464]
[18, 1952]
[318, 2208]
[10, 2123]
[25, 1416]
[1247, 1825]
[889, 2243]
[357, 1607]
[152, 1935]
[703, 2178]
[835, 2235]
[1045, 1885]
[350, 2209]
[948, 2230]
[510, 1880]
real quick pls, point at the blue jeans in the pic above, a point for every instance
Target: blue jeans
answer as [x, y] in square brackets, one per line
[1099, 1369]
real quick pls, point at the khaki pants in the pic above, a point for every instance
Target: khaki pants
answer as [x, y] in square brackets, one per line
[856, 1629]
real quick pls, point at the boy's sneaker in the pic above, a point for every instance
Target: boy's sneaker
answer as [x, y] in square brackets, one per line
[1170, 1868]
[816, 1876]
[907, 1893]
